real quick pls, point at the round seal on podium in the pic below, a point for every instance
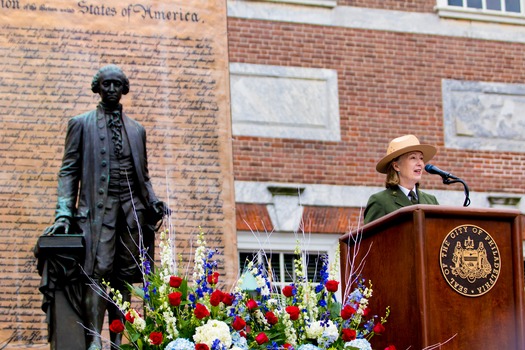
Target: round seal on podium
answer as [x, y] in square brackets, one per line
[470, 260]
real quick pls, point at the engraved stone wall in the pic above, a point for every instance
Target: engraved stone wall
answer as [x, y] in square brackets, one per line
[175, 55]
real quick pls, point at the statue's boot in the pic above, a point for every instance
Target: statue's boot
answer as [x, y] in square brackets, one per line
[114, 313]
[94, 308]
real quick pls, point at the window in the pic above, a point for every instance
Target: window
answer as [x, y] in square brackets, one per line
[503, 11]
[281, 265]
[276, 250]
[496, 5]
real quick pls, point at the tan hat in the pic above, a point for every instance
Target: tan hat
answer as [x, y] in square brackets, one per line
[402, 145]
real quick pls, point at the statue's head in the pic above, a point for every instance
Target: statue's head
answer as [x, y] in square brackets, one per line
[110, 83]
[103, 72]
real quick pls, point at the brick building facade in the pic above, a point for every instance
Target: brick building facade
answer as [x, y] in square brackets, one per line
[305, 156]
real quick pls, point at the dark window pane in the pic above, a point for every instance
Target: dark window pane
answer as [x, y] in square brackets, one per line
[244, 259]
[314, 267]
[455, 2]
[512, 5]
[476, 4]
[289, 270]
[313, 264]
[276, 267]
[494, 5]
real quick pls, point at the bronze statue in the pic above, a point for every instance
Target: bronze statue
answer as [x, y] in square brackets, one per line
[104, 192]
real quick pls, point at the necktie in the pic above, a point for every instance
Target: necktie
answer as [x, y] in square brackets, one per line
[115, 125]
[413, 197]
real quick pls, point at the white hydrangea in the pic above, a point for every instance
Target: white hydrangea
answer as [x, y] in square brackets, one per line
[325, 332]
[361, 344]
[212, 330]
[308, 347]
[314, 330]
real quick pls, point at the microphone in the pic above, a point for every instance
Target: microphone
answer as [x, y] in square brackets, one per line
[431, 169]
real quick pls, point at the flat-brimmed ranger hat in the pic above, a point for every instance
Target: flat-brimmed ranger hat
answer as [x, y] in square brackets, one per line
[402, 145]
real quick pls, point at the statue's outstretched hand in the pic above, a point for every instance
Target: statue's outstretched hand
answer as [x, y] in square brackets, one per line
[61, 226]
[161, 208]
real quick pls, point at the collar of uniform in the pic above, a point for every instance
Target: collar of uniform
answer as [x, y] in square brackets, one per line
[106, 110]
[406, 191]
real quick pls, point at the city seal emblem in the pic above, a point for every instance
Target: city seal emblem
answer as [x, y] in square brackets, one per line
[470, 260]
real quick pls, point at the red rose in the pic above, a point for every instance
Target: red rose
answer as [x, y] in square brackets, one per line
[378, 328]
[213, 278]
[271, 318]
[238, 323]
[228, 299]
[348, 334]
[347, 312]
[251, 304]
[175, 281]
[201, 346]
[201, 311]
[174, 298]
[287, 346]
[293, 311]
[390, 347]
[155, 338]
[243, 334]
[216, 297]
[116, 326]
[366, 311]
[288, 291]
[129, 317]
[261, 338]
[331, 286]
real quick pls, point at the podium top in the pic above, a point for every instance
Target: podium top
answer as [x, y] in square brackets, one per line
[436, 211]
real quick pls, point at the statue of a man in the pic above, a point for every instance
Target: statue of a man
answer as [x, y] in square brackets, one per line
[104, 190]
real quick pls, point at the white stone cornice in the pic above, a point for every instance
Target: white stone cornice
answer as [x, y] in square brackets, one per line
[376, 19]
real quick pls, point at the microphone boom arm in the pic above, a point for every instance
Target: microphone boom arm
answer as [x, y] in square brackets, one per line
[448, 181]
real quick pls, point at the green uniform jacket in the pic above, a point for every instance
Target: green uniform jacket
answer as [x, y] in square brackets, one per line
[389, 200]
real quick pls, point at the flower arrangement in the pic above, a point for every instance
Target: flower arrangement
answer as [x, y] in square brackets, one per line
[199, 315]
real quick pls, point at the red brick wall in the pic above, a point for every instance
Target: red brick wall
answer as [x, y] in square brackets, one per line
[389, 85]
[406, 5]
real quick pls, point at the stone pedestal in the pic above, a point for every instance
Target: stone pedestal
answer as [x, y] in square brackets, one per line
[60, 259]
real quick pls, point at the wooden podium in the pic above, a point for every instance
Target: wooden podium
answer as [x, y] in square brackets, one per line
[447, 273]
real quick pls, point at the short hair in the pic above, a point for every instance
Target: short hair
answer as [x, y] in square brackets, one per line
[95, 82]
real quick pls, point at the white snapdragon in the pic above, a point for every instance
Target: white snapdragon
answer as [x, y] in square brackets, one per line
[334, 267]
[200, 256]
[171, 324]
[261, 319]
[139, 324]
[291, 334]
